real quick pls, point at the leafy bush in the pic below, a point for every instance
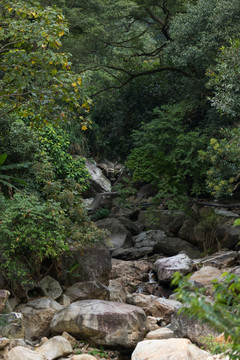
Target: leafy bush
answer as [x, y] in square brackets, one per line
[222, 313]
[55, 144]
[31, 231]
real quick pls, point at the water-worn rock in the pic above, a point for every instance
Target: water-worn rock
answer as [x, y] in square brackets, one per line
[102, 323]
[11, 325]
[55, 348]
[83, 357]
[23, 353]
[172, 246]
[152, 323]
[92, 263]
[190, 328]
[170, 349]
[160, 334]
[87, 290]
[50, 287]
[175, 225]
[4, 295]
[119, 237]
[206, 275]
[37, 315]
[168, 266]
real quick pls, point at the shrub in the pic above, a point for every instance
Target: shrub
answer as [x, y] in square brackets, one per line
[222, 313]
[31, 231]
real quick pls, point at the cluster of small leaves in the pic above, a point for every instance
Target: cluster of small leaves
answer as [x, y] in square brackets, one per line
[223, 156]
[31, 231]
[55, 145]
[34, 74]
[222, 313]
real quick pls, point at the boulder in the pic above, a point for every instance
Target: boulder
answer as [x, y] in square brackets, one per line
[98, 182]
[206, 275]
[92, 263]
[152, 323]
[55, 348]
[11, 325]
[23, 353]
[172, 246]
[87, 290]
[103, 200]
[100, 322]
[50, 287]
[83, 357]
[148, 238]
[4, 295]
[160, 334]
[175, 225]
[221, 259]
[119, 237]
[154, 306]
[168, 266]
[170, 349]
[131, 253]
[37, 315]
[129, 225]
[187, 231]
[184, 326]
[228, 236]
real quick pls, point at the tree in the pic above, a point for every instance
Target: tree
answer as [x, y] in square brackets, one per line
[225, 80]
[36, 81]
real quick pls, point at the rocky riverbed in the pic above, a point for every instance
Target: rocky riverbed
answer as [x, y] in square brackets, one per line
[118, 301]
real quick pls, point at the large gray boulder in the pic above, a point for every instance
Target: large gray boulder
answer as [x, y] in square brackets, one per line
[92, 263]
[103, 323]
[87, 290]
[37, 315]
[50, 287]
[103, 200]
[119, 237]
[172, 246]
[166, 267]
